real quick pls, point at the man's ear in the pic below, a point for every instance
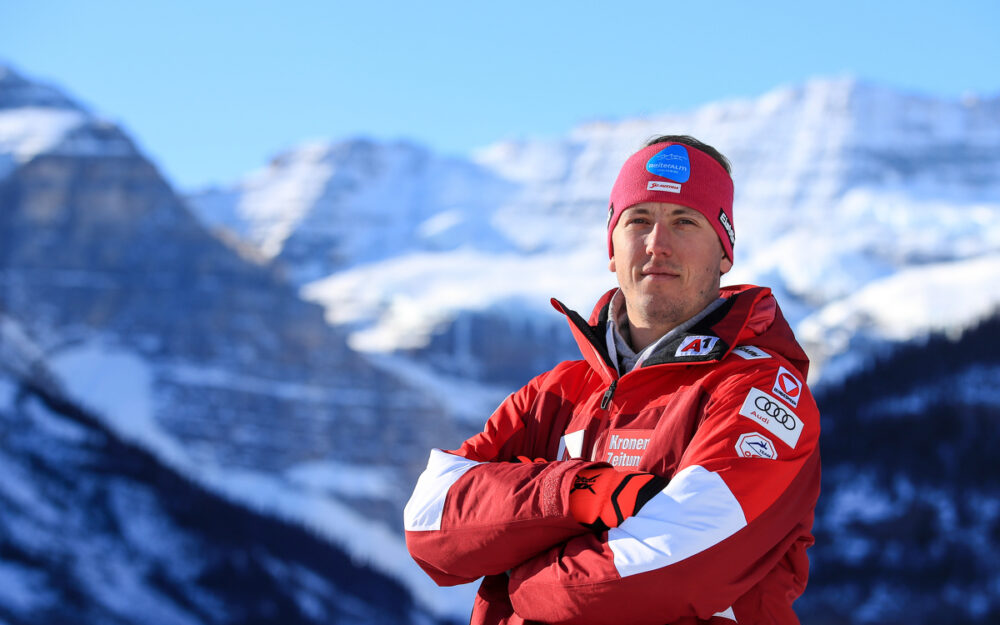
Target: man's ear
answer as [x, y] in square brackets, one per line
[611, 264]
[725, 265]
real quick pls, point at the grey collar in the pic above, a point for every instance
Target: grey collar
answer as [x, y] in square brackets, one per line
[618, 336]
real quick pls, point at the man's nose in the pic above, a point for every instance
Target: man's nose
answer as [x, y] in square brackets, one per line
[658, 241]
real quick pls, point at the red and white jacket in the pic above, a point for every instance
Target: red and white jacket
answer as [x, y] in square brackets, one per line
[722, 410]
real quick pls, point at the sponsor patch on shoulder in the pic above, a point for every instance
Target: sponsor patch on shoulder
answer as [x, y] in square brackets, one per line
[775, 416]
[696, 345]
[756, 445]
[749, 352]
[788, 387]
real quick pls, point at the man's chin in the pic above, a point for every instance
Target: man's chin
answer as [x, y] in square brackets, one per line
[660, 288]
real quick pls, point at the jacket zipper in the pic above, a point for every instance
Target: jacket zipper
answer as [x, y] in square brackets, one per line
[608, 394]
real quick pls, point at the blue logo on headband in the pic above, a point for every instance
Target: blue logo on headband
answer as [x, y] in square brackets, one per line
[671, 162]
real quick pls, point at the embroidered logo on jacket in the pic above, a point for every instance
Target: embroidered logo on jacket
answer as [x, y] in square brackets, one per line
[787, 387]
[696, 346]
[773, 415]
[754, 445]
[625, 447]
[583, 483]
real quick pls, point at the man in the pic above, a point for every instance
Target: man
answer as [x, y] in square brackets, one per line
[668, 477]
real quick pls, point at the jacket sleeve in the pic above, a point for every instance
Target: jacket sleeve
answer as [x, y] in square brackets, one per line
[473, 514]
[742, 496]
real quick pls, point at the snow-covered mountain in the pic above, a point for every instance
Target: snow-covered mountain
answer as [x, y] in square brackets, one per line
[96, 529]
[326, 207]
[205, 359]
[874, 214]
[148, 366]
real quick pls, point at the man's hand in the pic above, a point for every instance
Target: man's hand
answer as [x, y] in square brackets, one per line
[604, 497]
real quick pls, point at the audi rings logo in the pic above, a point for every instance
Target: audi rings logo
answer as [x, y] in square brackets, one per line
[773, 415]
[776, 412]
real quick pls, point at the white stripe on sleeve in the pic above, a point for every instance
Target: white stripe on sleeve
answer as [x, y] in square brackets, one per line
[694, 512]
[727, 613]
[426, 506]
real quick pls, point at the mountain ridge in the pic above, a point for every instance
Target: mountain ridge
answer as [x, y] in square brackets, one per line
[209, 360]
[97, 529]
[211, 364]
[904, 181]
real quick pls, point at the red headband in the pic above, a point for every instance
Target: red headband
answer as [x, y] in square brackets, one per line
[678, 174]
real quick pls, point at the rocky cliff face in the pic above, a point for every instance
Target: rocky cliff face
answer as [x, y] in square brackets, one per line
[98, 530]
[98, 253]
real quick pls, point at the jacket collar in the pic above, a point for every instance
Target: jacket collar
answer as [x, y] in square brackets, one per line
[621, 351]
[750, 315]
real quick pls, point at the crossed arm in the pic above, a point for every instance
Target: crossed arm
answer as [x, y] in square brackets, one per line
[721, 524]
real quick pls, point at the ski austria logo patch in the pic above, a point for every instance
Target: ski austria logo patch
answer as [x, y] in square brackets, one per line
[754, 445]
[625, 447]
[672, 162]
[696, 346]
[775, 416]
[787, 387]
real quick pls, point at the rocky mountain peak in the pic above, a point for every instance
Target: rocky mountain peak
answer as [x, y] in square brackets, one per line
[16, 92]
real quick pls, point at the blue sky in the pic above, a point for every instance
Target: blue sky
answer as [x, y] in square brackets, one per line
[212, 90]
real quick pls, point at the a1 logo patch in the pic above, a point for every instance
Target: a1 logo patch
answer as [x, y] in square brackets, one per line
[787, 387]
[696, 346]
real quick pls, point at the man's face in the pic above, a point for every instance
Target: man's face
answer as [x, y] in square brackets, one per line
[668, 260]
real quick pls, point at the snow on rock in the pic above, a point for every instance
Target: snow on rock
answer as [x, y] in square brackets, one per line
[27, 132]
[939, 297]
[116, 384]
[325, 206]
[39, 119]
[18, 353]
[465, 399]
[397, 303]
[917, 300]
[275, 199]
[841, 185]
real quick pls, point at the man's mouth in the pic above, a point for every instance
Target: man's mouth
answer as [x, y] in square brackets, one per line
[659, 273]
